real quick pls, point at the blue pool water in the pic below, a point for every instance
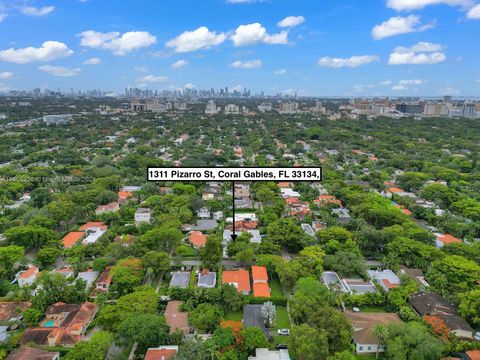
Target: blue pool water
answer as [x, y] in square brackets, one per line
[49, 323]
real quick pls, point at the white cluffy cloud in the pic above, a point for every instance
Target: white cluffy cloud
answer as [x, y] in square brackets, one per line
[401, 5]
[201, 38]
[280, 72]
[60, 70]
[474, 13]
[419, 54]
[291, 21]
[255, 33]
[50, 50]
[33, 11]
[117, 43]
[5, 75]
[399, 25]
[3, 14]
[149, 79]
[251, 64]
[240, 1]
[179, 63]
[93, 61]
[403, 85]
[351, 62]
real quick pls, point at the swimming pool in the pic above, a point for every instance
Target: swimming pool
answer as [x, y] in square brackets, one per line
[49, 323]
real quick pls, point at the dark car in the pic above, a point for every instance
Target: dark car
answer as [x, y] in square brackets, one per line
[281, 347]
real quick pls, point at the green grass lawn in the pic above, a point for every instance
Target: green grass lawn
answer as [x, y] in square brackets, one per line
[367, 357]
[234, 315]
[282, 322]
[185, 250]
[155, 281]
[192, 278]
[276, 288]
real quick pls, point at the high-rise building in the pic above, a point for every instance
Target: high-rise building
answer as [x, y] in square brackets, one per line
[469, 110]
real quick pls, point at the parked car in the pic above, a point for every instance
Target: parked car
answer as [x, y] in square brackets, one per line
[281, 347]
[477, 336]
[283, 332]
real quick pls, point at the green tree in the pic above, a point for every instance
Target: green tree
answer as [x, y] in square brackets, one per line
[94, 349]
[147, 330]
[253, 338]
[470, 306]
[9, 255]
[47, 256]
[307, 343]
[29, 236]
[211, 254]
[205, 317]
[156, 262]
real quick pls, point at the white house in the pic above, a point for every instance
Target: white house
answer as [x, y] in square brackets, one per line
[27, 277]
[203, 213]
[143, 215]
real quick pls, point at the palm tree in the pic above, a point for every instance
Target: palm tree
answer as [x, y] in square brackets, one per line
[381, 333]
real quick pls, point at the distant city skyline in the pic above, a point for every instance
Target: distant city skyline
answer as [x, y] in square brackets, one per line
[342, 48]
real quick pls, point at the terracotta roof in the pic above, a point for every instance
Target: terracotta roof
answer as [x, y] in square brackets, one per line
[72, 238]
[473, 354]
[31, 271]
[448, 239]
[107, 207]
[105, 277]
[261, 290]
[93, 224]
[394, 190]
[284, 185]
[259, 273]
[239, 278]
[389, 285]
[364, 323]
[123, 195]
[28, 353]
[175, 318]
[160, 354]
[8, 310]
[197, 239]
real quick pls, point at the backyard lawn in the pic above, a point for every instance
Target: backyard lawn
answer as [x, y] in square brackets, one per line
[185, 251]
[276, 288]
[282, 322]
[372, 309]
[234, 315]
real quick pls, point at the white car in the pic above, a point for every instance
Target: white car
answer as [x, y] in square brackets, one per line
[283, 332]
[477, 336]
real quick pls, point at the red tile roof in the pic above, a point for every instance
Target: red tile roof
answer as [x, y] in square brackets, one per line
[473, 354]
[259, 273]
[31, 271]
[176, 319]
[93, 224]
[197, 239]
[9, 310]
[394, 190]
[261, 290]
[239, 278]
[448, 239]
[160, 354]
[72, 238]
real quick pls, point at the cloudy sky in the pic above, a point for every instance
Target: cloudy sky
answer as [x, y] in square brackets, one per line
[312, 47]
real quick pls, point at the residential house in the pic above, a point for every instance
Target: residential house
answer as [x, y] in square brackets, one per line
[415, 274]
[66, 272]
[11, 311]
[342, 214]
[111, 207]
[207, 279]
[176, 319]
[238, 278]
[218, 215]
[131, 188]
[63, 325]
[358, 286]
[123, 196]
[103, 283]
[197, 239]
[385, 278]
[143, 215]
[162, 353]
[93, 230]
[125, 240]
[266, 354]
[203, 213]
[202, 225]
[324, 200]
[72, 238]
[434, 305]
[31, 353]
[444, 239]
[253, 317]
[307, 228]
[27, 277]
[260, 282]
[363, 330]
[88, 276]
[180, 279]
[289, 193]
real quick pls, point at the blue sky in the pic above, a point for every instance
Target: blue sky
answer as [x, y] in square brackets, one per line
[312, 47]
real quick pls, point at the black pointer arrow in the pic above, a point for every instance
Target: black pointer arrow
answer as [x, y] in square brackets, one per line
[234, 235]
